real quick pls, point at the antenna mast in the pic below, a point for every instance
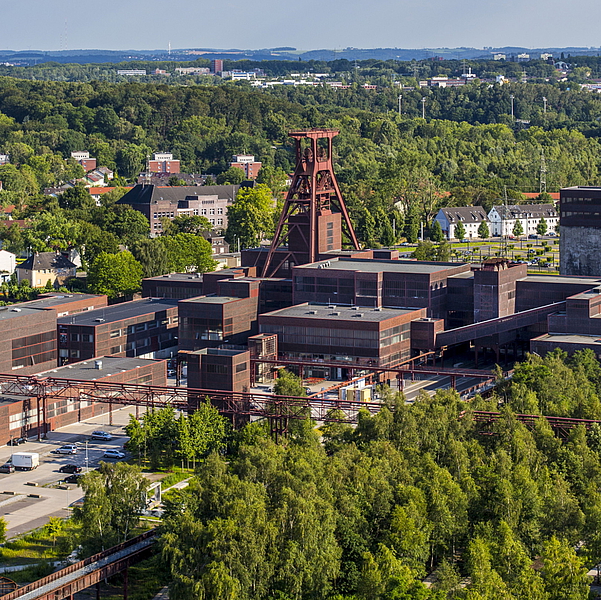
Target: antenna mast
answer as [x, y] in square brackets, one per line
[543, 174]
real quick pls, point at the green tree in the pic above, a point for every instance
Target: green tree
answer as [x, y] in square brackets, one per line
[54, 527]
[288, 384]
[518, 229]
[188, 224]
[76, 197]
[115, 274]
[3, 530]
[564, 575]
[541, 228]
[113, 500]
[188, 253]
[152, 254]
[233, 176]
[203, 432]
[436, 234]
[483, 231]
[250, 217]
[459, 231]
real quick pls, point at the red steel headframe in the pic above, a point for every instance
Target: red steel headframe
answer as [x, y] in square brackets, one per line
[313, 188]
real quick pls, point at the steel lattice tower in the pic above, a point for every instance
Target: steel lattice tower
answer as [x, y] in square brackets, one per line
[311, 220]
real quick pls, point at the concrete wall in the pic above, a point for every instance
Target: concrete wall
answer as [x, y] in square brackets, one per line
[579, 251]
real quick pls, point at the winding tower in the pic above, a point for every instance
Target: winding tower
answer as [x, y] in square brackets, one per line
[314, 212]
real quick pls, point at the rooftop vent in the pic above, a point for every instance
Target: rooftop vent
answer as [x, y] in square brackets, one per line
[358, 315]
[312, 312]
[335, 314]
[98, 365]
[15, 310]
[378, 309]
[99, 320]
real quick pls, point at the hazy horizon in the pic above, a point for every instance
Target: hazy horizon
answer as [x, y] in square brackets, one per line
[314, 24]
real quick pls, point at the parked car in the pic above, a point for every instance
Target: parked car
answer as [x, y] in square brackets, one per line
[73, 478]
[114, 454]
[70, 469]
[7, 468]
[67, 449]
[533, 236]
[17, 441]
[101, 435]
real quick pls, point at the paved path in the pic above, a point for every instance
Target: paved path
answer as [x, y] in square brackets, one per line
[27, 514]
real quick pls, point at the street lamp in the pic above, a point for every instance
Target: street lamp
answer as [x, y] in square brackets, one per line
[400, 105]
[424, 107]
[512, 97]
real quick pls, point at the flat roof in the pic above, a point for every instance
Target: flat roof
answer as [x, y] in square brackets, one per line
[594, 281]
[377, 265]
[339, 313]
[176, 277]
[86, 370]
[59, 300]
[211, 299]
[594, 340]
[15, 311]
[464, 275]
[118, 312]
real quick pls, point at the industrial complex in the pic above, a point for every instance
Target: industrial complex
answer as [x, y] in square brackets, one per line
[313, 301]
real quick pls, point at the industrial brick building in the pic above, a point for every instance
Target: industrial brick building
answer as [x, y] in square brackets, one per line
[580, 226]
[377, 282]
[219, 369]
[27, 339]
[360, 335]
[19, 416]
[209, 321]
[142, 328]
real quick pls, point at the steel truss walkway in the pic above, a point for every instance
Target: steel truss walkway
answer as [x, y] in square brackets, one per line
[86, 573]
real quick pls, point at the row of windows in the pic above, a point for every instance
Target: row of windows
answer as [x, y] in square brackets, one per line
[34, 359]
[576, 199]
[130, 329]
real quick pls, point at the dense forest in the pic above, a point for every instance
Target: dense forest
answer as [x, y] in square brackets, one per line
[414, 492]
[395, 170]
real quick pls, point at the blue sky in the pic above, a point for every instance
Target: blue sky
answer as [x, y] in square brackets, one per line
[310, 24]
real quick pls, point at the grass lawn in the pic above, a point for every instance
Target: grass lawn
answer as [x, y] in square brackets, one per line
[39, 545]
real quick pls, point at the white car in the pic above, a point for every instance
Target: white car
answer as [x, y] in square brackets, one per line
[114, 454]
[67, 449]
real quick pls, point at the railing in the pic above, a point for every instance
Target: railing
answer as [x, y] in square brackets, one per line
[54, 577]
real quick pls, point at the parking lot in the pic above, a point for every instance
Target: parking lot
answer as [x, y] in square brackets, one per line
[24, 512]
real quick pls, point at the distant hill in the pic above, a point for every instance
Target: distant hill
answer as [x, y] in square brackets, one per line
[31, 57]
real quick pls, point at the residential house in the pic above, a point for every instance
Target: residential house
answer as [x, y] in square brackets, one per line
[504, 218]
[471, 217]
[8, 262]
[42, 267]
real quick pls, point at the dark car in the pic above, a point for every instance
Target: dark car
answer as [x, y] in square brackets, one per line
[73, 478]
[70, 469]
[7, 468]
